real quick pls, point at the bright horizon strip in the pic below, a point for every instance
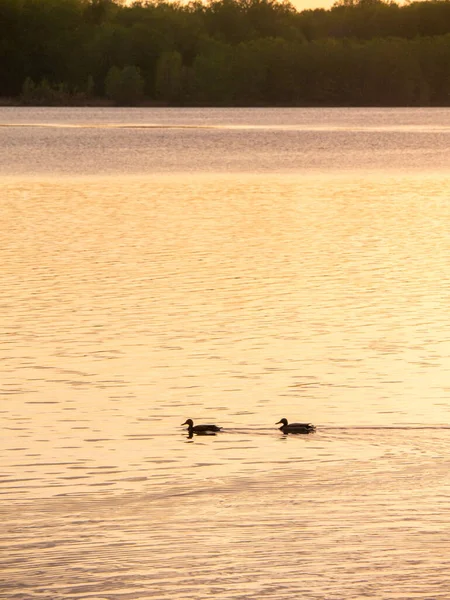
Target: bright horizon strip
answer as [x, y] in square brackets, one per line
[299, 5]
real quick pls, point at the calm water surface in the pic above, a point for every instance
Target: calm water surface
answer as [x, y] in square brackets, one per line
[232, 266]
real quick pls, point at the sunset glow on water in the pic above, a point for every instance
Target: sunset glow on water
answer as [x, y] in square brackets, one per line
[276, 264]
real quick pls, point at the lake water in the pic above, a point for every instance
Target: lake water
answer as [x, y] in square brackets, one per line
[233, 266]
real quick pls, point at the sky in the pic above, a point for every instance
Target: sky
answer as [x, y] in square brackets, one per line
[309, 4]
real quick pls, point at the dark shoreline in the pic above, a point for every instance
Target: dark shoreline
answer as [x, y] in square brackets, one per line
[105, 103]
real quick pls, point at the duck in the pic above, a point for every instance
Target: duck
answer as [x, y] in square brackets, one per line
[295, 427]
[200, 429]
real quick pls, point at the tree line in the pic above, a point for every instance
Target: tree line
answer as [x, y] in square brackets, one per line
[225, 53]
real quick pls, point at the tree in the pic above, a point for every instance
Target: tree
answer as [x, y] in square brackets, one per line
[169, 74]
[125, 86]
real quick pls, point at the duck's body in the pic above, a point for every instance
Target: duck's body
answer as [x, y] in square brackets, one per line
[295, 427]
[200, 429]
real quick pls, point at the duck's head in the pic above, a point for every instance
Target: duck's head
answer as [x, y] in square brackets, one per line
[188, 422]
[282, 421]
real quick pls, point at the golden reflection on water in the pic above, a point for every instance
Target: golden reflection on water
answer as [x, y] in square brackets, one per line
[132, 304]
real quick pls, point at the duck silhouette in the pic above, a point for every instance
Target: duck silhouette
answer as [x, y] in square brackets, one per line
[295, 427]
[200, 429]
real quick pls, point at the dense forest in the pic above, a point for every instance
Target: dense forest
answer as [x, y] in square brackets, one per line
[224, 53]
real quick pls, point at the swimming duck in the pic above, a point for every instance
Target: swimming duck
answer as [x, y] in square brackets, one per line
[295, 427]
[200, 429]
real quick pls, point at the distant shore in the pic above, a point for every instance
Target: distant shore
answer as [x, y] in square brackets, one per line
[88, 102]
[105, 103]
[225, 53]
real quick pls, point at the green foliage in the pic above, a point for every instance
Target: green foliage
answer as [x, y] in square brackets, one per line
[225, 52]
[124, 86]
[89, 87]
[42, 93]
[169, 76]
[45, 94]
[213, 75]
[28, 91]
